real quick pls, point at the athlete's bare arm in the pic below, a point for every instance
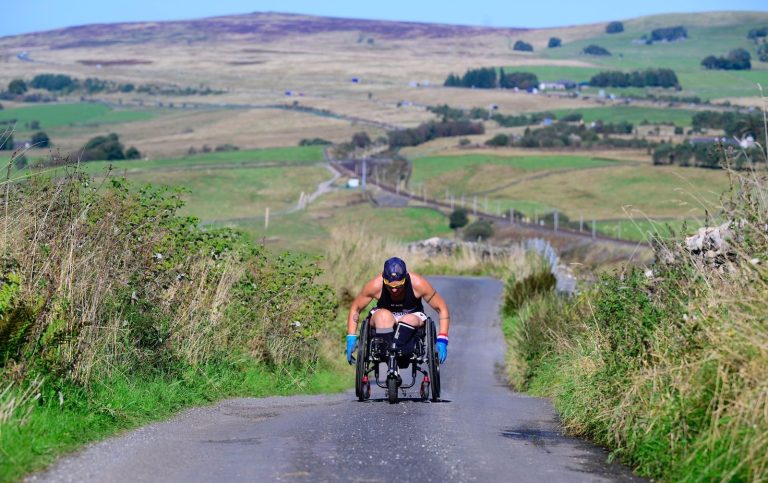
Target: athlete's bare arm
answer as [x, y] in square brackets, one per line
[370, 291]
[422, 288]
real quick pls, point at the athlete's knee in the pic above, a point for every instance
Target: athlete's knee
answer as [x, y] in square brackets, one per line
[383, 318]
[412, 320]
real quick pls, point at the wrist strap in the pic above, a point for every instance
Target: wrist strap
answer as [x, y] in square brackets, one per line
[351, 335]
[443, 338]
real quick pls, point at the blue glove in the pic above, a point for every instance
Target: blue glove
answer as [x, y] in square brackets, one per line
[351, 344]
[442, 347]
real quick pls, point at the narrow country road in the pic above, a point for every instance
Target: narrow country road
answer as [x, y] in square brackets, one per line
[482, 431]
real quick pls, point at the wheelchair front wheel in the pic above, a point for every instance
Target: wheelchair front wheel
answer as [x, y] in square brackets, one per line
[361, 391]
[392, 390]
[433, 361]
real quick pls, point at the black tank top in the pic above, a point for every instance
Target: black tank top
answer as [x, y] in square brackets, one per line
[408, 304]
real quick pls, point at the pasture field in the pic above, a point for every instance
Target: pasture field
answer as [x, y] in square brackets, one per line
[625, 197]
[56, 115]
[633, 114]
[708, 34]
[217, 194]
[308, 231]
[472, 173]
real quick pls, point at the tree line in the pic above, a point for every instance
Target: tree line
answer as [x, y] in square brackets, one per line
[492, 78]
[638, 78]
[432, 130]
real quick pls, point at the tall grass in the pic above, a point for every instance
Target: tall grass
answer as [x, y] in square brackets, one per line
[669, 366]
[102, 282]
[356, 253]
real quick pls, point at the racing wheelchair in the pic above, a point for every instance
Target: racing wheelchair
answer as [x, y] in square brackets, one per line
[417, 351]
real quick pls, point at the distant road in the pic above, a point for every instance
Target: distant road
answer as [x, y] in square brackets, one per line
[482, 431]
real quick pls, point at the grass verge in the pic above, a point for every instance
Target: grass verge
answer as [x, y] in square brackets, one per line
[60, 425]
[666, 366]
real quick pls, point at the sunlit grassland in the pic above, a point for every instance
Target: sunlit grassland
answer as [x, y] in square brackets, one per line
[580, 187]
[623, 191]
[308, 231]
[684, 57]
[217, 194]
[473, 172]
[57, 115]
[632, 114]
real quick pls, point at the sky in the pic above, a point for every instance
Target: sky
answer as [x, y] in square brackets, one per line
[23, 16]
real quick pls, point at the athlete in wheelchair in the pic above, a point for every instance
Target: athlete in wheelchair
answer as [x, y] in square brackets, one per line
[398, 332]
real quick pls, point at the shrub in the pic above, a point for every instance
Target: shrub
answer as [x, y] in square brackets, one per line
[614, 28]
[361, 139]
[595, 50]
[554, 42]
[498, 140]
[40, 140]
[132, 153]
[478, 230]
[517, 292]
[458, 218]
[523, 46]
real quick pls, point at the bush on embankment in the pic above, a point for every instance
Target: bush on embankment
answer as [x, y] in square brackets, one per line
[115, 310]
[668, 367]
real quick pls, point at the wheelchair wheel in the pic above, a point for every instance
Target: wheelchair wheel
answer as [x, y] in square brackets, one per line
[392, 390]
[361, 391]
[433, 366]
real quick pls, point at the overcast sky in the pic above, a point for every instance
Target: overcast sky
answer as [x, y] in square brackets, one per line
[22, 16]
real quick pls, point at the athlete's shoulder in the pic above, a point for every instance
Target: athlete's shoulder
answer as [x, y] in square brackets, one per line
[419, 282]
[374, 285]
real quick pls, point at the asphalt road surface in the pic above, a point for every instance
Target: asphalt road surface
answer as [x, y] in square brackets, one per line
[481, 431]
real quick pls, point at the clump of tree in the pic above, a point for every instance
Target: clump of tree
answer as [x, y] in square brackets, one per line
[561, 134]
[638, 78]
[40, 140]
[734, 124]
[593, 49]
[482, 78]
[17, 87]
[758, 33]
[314, 142]
[6, 140]
[554, 42]
[522, 119]
[448, 113]
[614, 28]
[700, 155]
[361, 140]
[432, 130]
[520, 80]
[667, 34]
[491, 78]
[458, 218]
[762, 53]
[737, 59]
[522, 46]
[54, 82]
[107, 148]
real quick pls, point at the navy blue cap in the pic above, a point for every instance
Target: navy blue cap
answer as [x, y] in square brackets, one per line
[394, 270]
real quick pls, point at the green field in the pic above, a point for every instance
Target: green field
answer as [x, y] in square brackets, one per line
[708, 34]
[288, 155]
[430, 167]
[56, 115]
[633, 114]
